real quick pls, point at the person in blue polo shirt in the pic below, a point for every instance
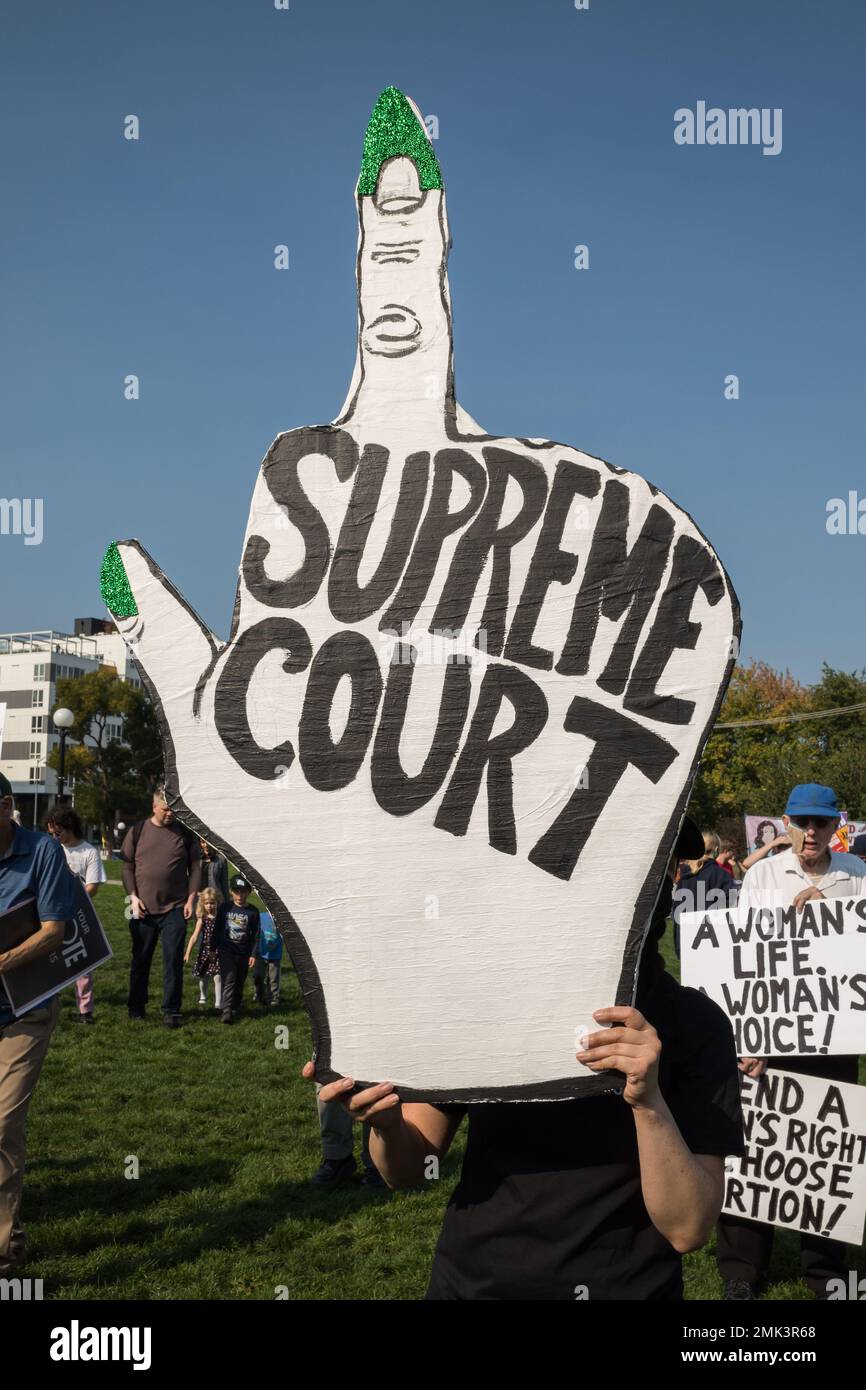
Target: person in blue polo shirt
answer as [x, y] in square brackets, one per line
[32, 865]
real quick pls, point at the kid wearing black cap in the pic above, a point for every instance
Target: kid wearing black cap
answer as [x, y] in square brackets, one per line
[236, 933]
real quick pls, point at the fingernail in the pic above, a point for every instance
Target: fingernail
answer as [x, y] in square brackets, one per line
[114, 585]
[394, 129]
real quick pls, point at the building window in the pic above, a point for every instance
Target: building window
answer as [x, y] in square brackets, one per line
[37, 724]
[36, 774]
[37, 698]
[40, 672]
[36, 747]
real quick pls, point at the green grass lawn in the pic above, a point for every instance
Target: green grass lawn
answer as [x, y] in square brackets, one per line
[225, 1135]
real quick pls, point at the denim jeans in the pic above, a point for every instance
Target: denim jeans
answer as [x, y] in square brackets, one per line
[145, 931]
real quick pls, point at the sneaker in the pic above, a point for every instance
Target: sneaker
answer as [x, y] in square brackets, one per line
[333, 1173]
[739, 1291]
[171, 1021]
[228, 1017]
[85, 1018]
[134, 1017]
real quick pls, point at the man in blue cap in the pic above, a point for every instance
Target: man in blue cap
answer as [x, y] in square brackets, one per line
[32, 866]
[790, 879]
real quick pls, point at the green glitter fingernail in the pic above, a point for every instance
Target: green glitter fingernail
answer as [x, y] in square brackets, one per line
[114, 585]
[394, 130]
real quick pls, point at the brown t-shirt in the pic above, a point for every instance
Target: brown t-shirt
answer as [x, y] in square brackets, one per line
[162, 869]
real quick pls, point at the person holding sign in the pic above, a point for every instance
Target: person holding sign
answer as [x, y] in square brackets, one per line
[791, 879]
[594, 1198]
[32, 867]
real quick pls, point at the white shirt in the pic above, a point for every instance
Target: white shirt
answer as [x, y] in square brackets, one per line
[84, 861]
[776, 880]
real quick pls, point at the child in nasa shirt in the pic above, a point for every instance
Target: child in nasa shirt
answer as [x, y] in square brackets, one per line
[236, 935]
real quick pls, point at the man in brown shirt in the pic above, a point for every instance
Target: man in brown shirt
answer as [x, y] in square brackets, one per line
[161, 874]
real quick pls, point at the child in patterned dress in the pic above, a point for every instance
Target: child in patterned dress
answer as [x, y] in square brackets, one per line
[207, 965]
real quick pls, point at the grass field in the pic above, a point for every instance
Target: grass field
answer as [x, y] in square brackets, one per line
[225, 1135]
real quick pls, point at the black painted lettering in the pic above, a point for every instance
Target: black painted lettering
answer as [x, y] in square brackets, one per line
[496, 753]
[230, 699]
[619, 743]
[694, 567]
[549, 564]
[280, 472]
[328, 765]
[349, 601]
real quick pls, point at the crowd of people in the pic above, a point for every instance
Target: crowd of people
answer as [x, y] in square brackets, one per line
[603, 1194]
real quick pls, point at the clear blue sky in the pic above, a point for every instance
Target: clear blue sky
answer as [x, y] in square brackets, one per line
[556, 128]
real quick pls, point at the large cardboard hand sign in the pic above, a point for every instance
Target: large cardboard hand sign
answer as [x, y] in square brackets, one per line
[452, 734]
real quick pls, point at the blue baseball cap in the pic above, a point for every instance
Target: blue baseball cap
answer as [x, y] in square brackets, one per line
[811, 799]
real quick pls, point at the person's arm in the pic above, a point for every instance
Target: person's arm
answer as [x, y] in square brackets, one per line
[193, 939]
[402, 1137]
[55, 905]
[255, 925]
[682, 1191]
[780, 842]
[127, 873]
[41, 943]
[194, 881]
[95, 874]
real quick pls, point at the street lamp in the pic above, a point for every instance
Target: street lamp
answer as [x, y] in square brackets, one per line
[63, 720]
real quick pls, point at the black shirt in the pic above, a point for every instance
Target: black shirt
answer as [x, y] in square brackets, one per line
[693, 891]
[711, 887]
[236, 929]
[549, 1198]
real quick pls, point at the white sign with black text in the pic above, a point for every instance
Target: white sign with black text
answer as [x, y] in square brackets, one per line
[793, 983]
[805, 1161]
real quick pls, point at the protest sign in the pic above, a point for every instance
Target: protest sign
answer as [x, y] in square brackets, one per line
[805, 1161]
[458, 666]
[793, 983]
[84, 947]
[846, 834]
[762, 830]
[855, 828]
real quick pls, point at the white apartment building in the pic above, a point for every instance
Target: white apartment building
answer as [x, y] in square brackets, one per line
[31, 663]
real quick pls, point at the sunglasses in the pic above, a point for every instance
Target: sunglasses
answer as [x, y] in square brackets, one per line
[819, 822]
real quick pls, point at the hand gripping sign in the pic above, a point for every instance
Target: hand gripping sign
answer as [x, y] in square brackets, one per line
[453, 730]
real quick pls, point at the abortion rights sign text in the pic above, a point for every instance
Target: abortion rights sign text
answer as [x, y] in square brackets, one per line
[792, 982]
[805, 1160]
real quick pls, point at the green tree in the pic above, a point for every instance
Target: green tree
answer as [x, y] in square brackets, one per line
[751, 770]
[842, 740]
[110, 776]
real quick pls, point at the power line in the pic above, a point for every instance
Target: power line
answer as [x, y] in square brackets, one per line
[792, 718]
